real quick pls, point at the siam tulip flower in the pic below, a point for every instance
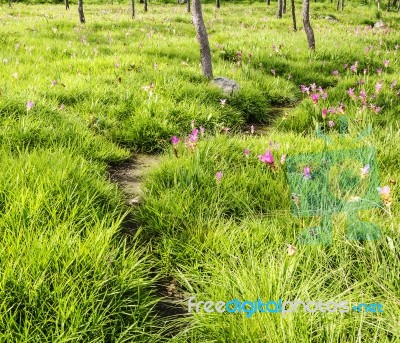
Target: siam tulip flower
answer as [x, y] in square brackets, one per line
[384, 190]
[225, 130]
[218, 176]
[341, 108]
[332, 110]
[365, 71]
[267, 158]
[361, 82]
[315, 98]
[378, 86]
[324, 96]
[363, 95]
[274, 145]
[379, 71]
[53, 83]
[372, 106]
[385, 195]
[350, 92]
[324, 113]
[386, 63]
[193, 137]
[223, 102]
[346, 66]
[246, 152]
[365, 171]
[273, 72]
[307, 173]
[305, 89]
[62, 107]
[175, 140]
[377, 109]
[202, 130]
[29, 105]
[283, 159]
[335, 73]
[353, 68]
[393, 84]
[320, 90]
[313, 87]
[331, 123]
[252, 129]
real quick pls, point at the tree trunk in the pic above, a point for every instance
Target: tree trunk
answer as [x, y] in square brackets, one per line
[202, 38]
[284, 6]
[80, 11]
[337, 5]
[133, 8]
[294, 16]
[9, 3]
[67, 5]
[145, 5]
[268, 2]
[280, 8]
[307, 25]
[217, 3]
[188, 6]
[342, 5]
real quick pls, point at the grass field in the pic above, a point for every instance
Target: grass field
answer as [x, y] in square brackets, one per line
[215, 222]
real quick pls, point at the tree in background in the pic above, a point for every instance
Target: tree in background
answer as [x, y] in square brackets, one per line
[202, 38]
[188, 6]
[294, 16]
[307, 25]
[218, 3]
[280, 9]
[133, 8]
[80, 11]
[67, 5]
[145, 5]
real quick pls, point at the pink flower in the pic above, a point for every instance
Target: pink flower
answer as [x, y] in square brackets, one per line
[313, 87]
[53, 83]
[202, 130]
[386, 63]
[307, 173]
[267, 158]
[350, 92]
[365, 171]
[324, 96]
[353, 68]
[175, 140]
[193, 137]
[377, 109]
[384, 190]
[346, 66]
[378, 86]
[335, 73]
[332, 110]
[363, 95]
[305, 89]
[331, 123]
[393, 84]
[218, 176]
[283, 159]
[223, 102]
[341, 108]
[324, 113]
[252, 129]
[247, 152]
[314, 98]
[29, 105]
[379, 71]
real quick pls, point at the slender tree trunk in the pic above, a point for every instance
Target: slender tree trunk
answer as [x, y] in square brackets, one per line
[141, 1]
[145, 5]
[337, 5]
[280, 8]
[188, 6]
[294, 16]
[307, 25]
[218, 3]
[284, 6]
[67, 5]
[133, 8]
[342, 5]
[202, 38]
[9, 3]
[80, 11]
[268, 2]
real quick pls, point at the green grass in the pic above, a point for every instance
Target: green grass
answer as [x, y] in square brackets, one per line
[69, 271]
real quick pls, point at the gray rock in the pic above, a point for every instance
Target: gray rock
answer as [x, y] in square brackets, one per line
[331, 18]
[379, 24]
[228, 86]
